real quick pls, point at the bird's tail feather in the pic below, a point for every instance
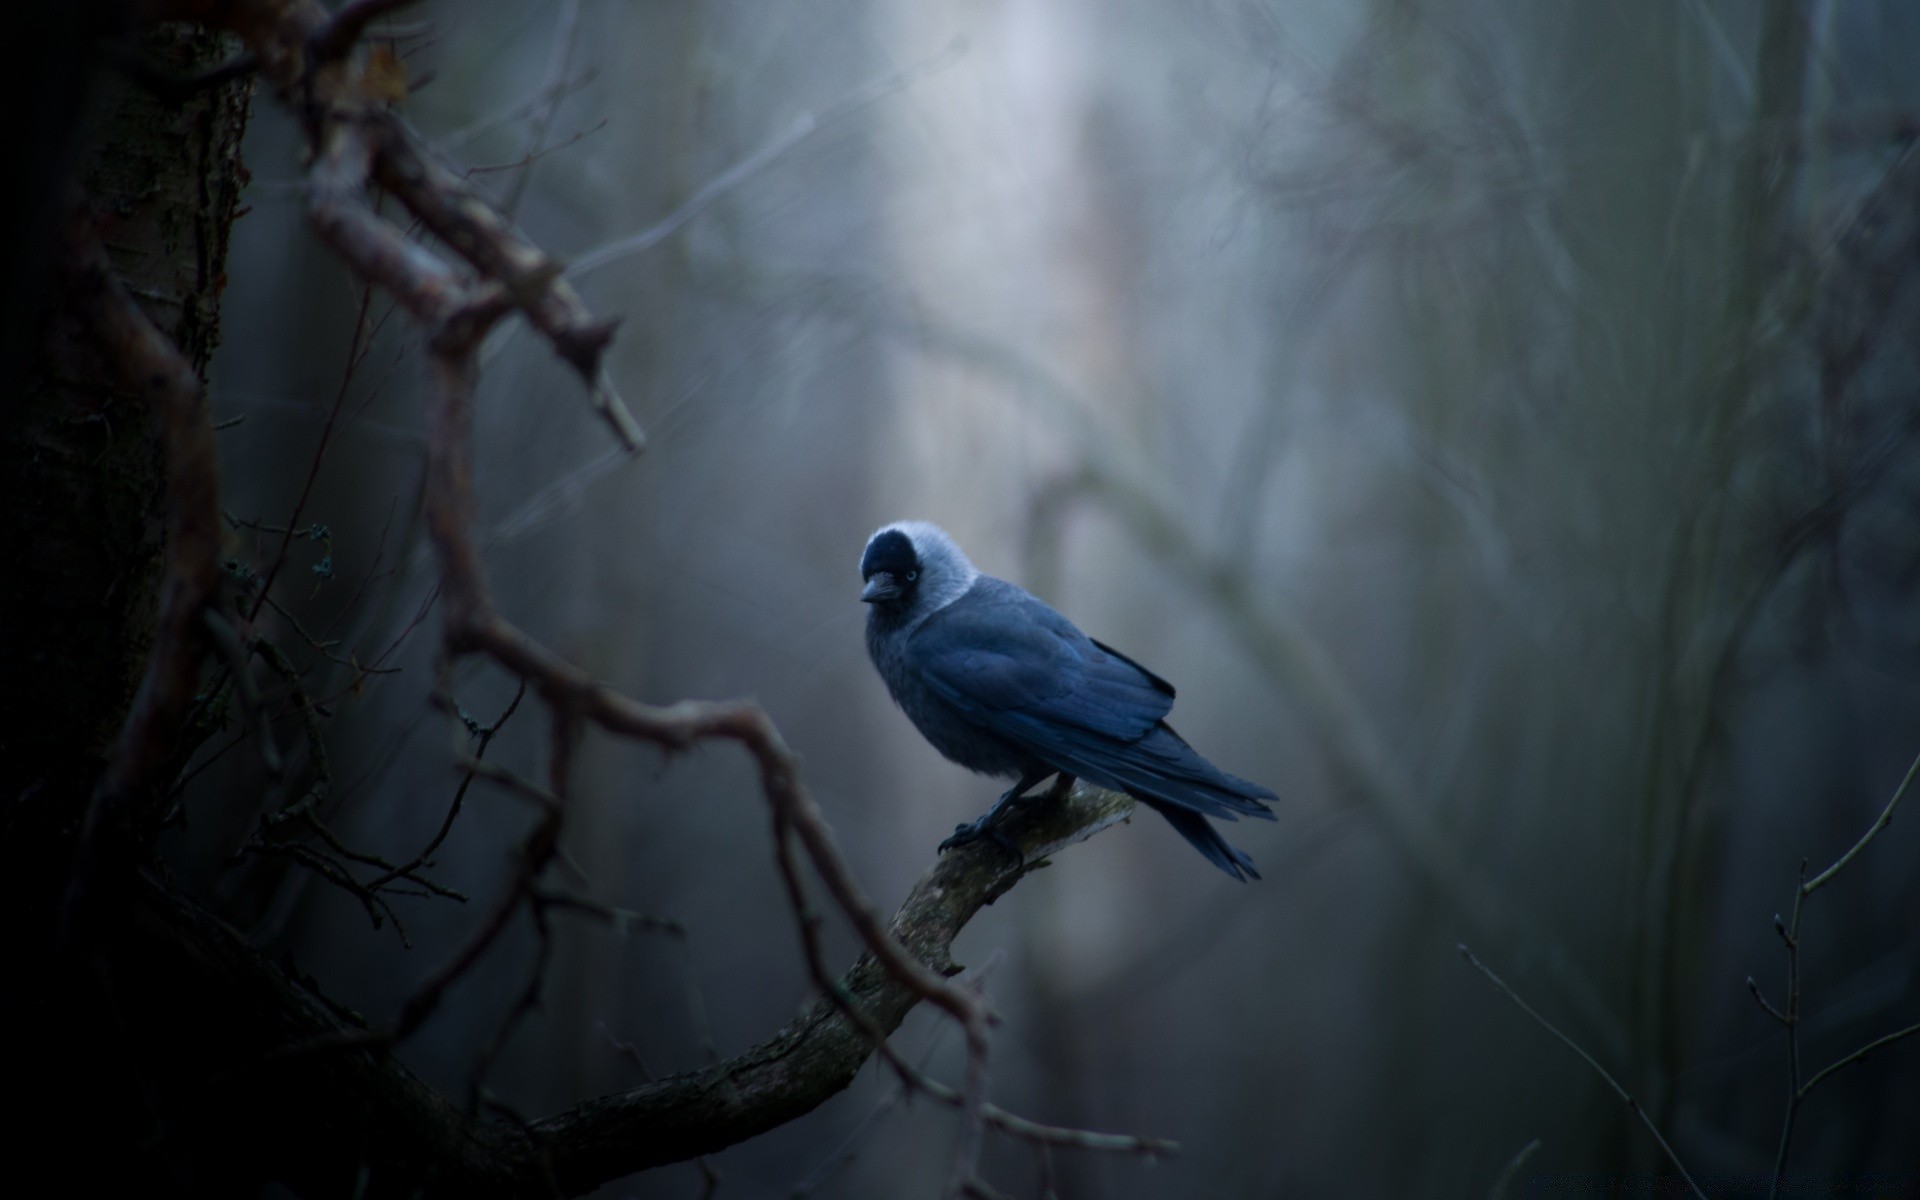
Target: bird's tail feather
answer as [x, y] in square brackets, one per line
[1205, 838]
[1163, 766]
[1166, 774]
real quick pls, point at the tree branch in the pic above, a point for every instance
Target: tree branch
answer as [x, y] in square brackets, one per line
[1626, 1096]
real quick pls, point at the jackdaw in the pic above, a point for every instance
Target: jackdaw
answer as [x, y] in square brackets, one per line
[1002, 684]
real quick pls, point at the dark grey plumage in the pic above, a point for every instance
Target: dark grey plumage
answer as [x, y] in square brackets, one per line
[1002, 684]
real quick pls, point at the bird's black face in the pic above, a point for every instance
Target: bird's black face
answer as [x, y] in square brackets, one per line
[891, 570]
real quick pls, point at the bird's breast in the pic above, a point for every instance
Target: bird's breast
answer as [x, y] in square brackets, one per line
[944, 726]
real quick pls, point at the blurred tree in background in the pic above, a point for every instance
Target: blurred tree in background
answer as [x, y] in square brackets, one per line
[1500, 420]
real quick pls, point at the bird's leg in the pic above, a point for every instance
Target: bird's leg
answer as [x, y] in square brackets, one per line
[986, 825]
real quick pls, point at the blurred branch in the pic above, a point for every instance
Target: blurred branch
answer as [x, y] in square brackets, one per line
[356, 353]
[525, 108]
[566, 25]
[775, 148]
[1729, 58]
[1626, 1096]
[802, 128]
[1512, 1170]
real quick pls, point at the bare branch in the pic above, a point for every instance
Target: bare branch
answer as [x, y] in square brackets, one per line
[565, 26]
[536, 851]
[1886, 818]
[482, 739]
[355, 353]
[1602, 1072]
[1789, 931]
[460, 217]
[1859, 1055]
[1512, 1169]
[1753, 989]
[775, 148]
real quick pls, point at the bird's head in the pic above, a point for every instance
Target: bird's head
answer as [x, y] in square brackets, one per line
[912, 568]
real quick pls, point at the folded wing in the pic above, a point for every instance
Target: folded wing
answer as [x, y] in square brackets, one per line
[1015, 666]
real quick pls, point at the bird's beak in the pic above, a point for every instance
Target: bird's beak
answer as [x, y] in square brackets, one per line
[880, 586]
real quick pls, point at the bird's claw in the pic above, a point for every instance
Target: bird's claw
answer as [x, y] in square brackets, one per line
[977, 830]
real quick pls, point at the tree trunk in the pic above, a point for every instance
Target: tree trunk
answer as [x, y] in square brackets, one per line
[80, 467]
[81, 480]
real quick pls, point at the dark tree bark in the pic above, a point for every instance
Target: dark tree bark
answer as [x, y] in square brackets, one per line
[80, 465]
[82, 474]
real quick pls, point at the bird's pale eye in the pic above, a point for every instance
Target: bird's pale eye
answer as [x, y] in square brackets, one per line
[912, 575]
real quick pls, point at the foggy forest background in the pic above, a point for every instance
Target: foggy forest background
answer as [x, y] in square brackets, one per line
[1497, 419]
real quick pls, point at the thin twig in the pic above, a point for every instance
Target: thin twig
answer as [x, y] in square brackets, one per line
[1858, 1055]
[482, 740]
[1569, 1043]
[1790, 1017]
[626, 1050]
[523, 1007]
[1505, 1179]
[226, 639]
[1753, 989]
[775, 148]
[565, 26]
[499, 120]
[623, 920]
[536, 851]
[520, 166]
[1873, 831]
[356, 353]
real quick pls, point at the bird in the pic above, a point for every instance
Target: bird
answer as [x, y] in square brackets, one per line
[1002, 684]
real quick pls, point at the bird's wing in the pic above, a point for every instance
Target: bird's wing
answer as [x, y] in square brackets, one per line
[999, 653]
